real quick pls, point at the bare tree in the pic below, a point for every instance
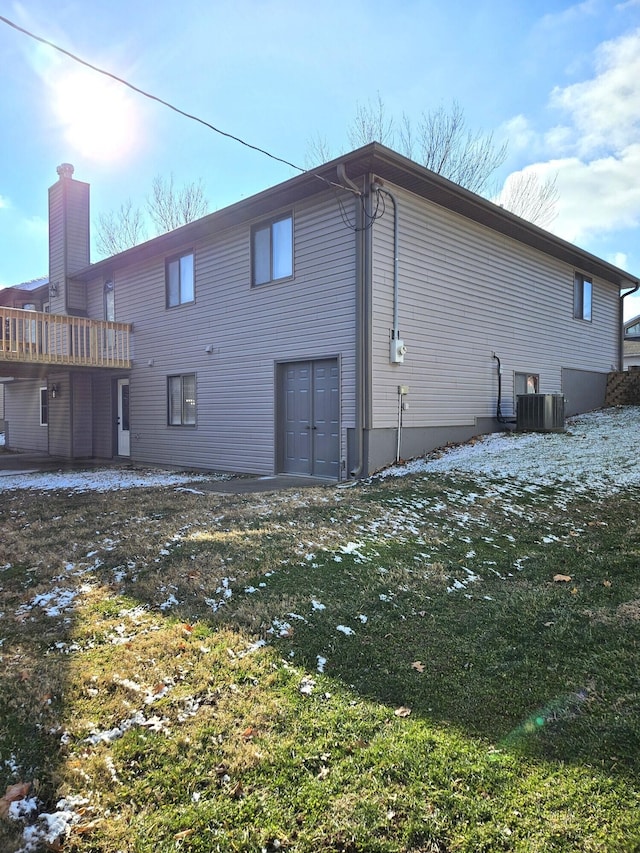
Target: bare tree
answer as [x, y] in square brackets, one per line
[531, 198]
[119, 230]
[371, 124]
[446, 146]
[442, 141]
[170, 208]
[167, 207]
[318, 151]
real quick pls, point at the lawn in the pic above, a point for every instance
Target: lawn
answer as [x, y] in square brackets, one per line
[436, 662]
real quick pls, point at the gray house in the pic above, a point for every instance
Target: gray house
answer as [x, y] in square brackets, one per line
[631, 346]
[361, 312]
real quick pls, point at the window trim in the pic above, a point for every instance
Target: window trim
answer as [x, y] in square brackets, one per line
[580, 297]
[262, 226]
[44, 405]
[525, 376]
[168, 262]
[183, 421]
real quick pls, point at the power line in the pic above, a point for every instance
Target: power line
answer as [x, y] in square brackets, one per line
[170, 106]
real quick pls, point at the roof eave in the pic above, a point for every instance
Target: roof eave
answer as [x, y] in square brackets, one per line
[388, 165]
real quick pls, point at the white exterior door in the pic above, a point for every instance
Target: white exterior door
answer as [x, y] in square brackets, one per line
[124, 444]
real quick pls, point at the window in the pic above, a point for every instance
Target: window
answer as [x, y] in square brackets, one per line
[180, 280]
[109, 300]
[632, 331]
[582, 295]
[272, 250]
[526, 383]
[44, 406]
[108, 295]
[182, 400]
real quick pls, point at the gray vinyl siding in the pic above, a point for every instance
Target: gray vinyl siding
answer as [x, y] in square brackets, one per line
[69, 243]
[82, 419]
[60, 416]
[250, 330]
[57, 248]
[22, 413]
[103, 416]
[465, 293]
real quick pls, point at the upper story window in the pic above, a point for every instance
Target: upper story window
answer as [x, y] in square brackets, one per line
[582, 297]
[108, 295]
[272, 250]
[632, 331]
[180, 280]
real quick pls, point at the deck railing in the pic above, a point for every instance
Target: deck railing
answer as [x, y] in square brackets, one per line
[39, 338]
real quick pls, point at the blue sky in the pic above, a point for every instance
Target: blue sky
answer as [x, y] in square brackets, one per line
[559, 81]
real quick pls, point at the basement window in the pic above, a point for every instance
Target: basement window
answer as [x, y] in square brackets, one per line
[272, 250]
[181, 398]
[526, 383]
[582, 297]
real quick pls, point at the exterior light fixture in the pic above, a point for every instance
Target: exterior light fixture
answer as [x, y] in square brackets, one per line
[53, 288]
[55, 391]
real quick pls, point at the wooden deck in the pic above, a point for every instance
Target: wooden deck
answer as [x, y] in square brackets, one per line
[32, 337]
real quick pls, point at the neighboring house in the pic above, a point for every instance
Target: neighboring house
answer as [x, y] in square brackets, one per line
[325, 326]
[29, 296]
[631, 348]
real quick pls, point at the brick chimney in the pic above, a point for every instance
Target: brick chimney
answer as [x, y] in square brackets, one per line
[68, 241]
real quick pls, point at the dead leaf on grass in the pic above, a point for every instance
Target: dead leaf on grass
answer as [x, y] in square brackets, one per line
[184, 834]
[562, 578]
[403, 711]
[606, 583]
[12, 795]
[249, 733]
[84, 828]
[237, 791]
[418, 666]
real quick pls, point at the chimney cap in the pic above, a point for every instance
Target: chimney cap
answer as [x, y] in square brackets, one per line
[65, 170]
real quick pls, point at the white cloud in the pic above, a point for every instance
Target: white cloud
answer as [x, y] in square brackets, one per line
[594, 153]
[618, 259]
[520, 135]
[569, 15]
[597, 196]
[605, 111]
[4, 202]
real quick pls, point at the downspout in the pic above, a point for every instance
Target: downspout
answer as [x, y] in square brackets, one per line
[499, 416]
[361, 278]
[623, 296]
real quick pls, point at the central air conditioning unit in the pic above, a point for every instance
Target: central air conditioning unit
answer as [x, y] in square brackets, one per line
[540, 413]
